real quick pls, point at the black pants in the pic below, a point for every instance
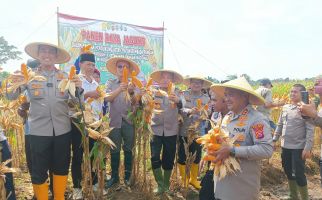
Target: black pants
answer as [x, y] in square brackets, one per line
[207, 186]
[294, 166]
[77, 157]
[168, 147]
[49, 152]
[28, 152]
[193, 148]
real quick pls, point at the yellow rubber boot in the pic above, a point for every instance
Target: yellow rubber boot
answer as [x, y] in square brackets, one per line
[60, 183]
[41, 191]
[193, 176]
[182, 170]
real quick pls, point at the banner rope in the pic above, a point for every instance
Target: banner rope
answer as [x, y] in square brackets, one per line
[198, 53]
[38, 28]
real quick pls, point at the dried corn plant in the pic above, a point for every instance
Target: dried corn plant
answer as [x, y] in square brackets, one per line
[3, 170]
[99, 131]
[141, 118]
[94, 159]
[193, 133]
[12, 126]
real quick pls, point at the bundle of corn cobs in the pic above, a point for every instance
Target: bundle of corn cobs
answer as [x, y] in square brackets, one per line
[212, 142]
[12, 84]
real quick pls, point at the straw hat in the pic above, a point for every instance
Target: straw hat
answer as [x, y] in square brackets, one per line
[239, 84]
[156, 75]
[33, 48]
[205, 83]
[111, 65]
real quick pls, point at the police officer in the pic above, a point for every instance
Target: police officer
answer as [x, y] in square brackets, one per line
[123, 129]
[190, 115]
[296, 142]
[49, 121]
[255, 143]
[220, 109]
[265, 91]
[165, 128]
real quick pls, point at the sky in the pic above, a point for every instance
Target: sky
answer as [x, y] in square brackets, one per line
[261, 38]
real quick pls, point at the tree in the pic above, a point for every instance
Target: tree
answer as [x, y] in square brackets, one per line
[8, 52]
[4, 75]
[231, 77]
[214, 80]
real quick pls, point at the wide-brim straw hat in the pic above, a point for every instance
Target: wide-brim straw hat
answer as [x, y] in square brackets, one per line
[156, 76]
[205, 83]
[111, 65]
[32, 50]
[242, 85]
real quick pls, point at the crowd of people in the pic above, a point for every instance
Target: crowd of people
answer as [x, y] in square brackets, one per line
[53, 142]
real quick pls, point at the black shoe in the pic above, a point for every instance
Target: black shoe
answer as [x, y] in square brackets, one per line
[112, 182]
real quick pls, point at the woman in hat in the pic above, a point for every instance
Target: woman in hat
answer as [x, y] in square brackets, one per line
[49, 121]
[255, 140]
[123, 130]
[165, 128]
[190, 116]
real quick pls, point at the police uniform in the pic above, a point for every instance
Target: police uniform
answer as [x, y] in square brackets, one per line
[122, 130]
[267, 95]
[256, 144]
[165, 129]
[296, 135]
[50, 126]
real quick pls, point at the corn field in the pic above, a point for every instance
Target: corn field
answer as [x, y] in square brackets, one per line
[12, 125]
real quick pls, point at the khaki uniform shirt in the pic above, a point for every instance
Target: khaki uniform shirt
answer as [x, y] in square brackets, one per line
[267, 95]
[165, 123]
[119, 107]
[256, 144]
[48, 112]
[295, 132]
[190, 101]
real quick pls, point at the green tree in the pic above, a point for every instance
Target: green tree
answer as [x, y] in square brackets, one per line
[214, 80]
[231, 77]
[8, 52]
[4, 75]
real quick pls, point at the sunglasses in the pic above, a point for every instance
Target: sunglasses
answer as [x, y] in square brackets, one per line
[122, 66]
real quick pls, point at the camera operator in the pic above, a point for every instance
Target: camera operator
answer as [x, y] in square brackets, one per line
[311, 111]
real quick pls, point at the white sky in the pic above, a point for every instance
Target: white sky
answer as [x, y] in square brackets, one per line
[262, 38]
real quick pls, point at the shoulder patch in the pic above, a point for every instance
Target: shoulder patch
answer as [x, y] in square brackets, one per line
[258, 130]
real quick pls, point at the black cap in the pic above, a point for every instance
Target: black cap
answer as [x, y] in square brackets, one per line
[87, 57]
[265, 81]
[33, 63]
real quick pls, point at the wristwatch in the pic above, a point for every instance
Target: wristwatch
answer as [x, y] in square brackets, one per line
[232, 152]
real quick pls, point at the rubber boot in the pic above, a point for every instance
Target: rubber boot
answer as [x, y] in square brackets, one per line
[182, 170]
[293, 195]
[59, 186]
[115, 164]
[159, 179]
[41, 191]
[303, 192]
[166, 180]
[127, 167]
[193, 176]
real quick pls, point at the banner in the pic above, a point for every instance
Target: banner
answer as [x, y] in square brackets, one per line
[142, 44]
